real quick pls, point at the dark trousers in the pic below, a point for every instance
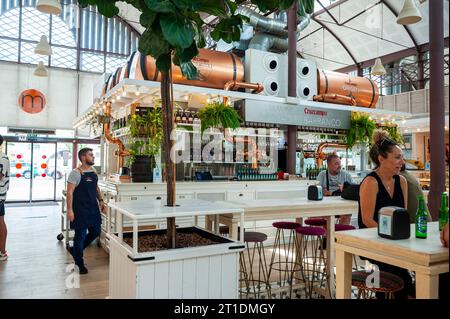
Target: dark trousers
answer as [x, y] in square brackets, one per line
[83, 237]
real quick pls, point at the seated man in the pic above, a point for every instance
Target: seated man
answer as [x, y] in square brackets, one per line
[332, 181]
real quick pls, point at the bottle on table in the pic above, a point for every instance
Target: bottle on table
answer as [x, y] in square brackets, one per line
[443, 211]
[421, 218]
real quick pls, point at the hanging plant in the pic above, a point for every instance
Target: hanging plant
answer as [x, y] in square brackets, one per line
[361, 129]
[393, 132]
[218, 115]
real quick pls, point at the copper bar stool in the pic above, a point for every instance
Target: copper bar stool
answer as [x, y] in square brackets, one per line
[286, 263]
[256, 282]
[311, 253]
[388, 284]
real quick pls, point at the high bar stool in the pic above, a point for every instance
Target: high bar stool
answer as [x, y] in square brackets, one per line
[311, 253]
[316, 221]
[255, 283]
[285, 265]
[388, 284]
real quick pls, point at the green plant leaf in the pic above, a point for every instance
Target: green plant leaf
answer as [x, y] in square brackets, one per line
[215, 8]
[163, 62]
[176, 30]
[107, 8]
[189, 70]
[152, 43]
[147, 18]
[186, 55]
[163, 6]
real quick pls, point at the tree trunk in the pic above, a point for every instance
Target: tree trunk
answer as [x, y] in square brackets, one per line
[168, 125]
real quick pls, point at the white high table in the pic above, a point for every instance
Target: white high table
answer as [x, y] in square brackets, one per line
[427, 257]
[144, 210]
[272, 209]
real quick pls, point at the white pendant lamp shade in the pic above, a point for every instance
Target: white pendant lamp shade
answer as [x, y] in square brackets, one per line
[43, 48]
[409, 14]
[378, 68]
[40, 70]
[49, 6]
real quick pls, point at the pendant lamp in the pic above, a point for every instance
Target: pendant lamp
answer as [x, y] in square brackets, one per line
[40, 70]
[378, 68]
[43, 48]
[409, 14]
[49, 6]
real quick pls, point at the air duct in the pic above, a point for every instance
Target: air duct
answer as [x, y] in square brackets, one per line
[271, 33]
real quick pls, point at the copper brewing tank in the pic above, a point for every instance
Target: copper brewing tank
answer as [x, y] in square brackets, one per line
[215, 69]
[334, 87]
[109, 83]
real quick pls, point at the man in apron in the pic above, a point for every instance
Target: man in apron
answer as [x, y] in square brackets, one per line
[84, 202]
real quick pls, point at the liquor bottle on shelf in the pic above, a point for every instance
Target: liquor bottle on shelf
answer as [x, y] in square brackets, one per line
[183, 117]
[178, 116]
[190, 118]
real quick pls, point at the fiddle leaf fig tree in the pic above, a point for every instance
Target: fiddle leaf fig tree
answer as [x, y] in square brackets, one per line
[173, 33]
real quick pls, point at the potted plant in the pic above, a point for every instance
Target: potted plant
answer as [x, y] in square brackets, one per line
[146, 137]
[218, 115]
[361, 129]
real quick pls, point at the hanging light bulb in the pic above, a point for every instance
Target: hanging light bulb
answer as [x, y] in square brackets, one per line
[49, 6]
[409, 14]
[43, 48]
[40, 70]
[378, 68]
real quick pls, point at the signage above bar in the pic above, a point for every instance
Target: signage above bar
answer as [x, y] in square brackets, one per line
[289, 114]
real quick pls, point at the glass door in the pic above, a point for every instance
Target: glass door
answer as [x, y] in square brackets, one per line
[20, 160]
[45, 172]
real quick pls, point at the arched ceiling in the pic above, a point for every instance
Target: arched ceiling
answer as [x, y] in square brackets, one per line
[349, 31]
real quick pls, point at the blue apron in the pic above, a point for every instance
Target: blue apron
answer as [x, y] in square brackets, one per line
[85, 205]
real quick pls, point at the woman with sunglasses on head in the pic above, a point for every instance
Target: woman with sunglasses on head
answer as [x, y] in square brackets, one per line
[384, 186]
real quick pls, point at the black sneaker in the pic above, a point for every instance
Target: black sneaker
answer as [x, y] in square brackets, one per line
[82, 269]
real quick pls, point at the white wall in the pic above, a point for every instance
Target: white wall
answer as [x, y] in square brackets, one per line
[65, 91]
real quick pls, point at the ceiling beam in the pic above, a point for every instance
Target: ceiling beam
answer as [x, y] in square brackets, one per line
[337, 39]
[392, 57]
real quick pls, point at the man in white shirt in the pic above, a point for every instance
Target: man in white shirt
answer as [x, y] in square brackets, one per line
[4, 186]
[332, 181]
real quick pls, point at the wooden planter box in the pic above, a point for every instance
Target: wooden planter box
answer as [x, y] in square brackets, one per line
[210, 271]
[196, 272]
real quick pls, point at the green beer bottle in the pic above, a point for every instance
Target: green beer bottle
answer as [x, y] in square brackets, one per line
[443, 211]
[421, 218]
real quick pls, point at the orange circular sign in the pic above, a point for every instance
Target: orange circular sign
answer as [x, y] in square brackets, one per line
[32, 101]
[18, 166]
[43, 165]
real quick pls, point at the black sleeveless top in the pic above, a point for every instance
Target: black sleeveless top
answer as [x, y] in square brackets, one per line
[383, 198]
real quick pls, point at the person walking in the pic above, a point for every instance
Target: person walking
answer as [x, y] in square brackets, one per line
[84, 202]
[4, 186]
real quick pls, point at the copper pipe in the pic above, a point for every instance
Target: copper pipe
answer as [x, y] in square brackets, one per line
[333, 98]
[320, 156]
[230, 85]
[121, 152]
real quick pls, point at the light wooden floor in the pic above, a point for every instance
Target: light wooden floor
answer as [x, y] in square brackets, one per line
[37, 263]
